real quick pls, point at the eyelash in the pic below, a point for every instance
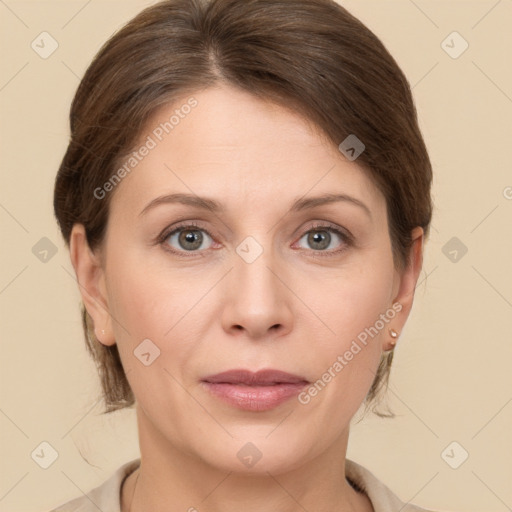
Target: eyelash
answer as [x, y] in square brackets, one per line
[192, 226]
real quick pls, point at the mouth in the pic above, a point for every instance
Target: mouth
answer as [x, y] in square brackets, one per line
[254, 391]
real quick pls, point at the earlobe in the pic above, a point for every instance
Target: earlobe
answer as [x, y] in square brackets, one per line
[91, 284]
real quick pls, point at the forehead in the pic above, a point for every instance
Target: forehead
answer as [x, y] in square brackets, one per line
[227, 143]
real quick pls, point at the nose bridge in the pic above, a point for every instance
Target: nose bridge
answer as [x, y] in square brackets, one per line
[253, 277]
[257, 298]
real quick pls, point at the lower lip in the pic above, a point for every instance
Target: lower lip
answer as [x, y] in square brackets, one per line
[255, 398]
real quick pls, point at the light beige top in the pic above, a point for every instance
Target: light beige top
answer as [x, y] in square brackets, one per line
[107, 496]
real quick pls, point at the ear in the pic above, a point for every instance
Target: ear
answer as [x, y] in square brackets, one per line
[91, 281]
[405, 281]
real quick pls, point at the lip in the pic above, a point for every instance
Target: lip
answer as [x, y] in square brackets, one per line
[254, 391]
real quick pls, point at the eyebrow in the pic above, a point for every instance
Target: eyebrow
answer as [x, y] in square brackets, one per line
[214, 206]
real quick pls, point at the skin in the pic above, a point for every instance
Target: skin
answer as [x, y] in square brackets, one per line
[210, 311]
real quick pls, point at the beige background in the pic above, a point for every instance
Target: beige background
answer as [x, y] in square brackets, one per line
[451, 379]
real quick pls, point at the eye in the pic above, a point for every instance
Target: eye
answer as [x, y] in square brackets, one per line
[320, 238]
[186, 238]
[192, 239]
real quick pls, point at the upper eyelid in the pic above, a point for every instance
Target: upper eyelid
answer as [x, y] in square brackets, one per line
[195, 224]
[168, 232]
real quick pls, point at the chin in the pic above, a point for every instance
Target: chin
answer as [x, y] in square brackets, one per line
[256, 454]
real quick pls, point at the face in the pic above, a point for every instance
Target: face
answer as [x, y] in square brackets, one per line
[267, 276]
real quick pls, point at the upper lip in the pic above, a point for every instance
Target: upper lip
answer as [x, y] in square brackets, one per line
[261, 377]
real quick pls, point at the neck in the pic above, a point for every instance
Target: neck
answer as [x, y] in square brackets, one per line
[171, 479]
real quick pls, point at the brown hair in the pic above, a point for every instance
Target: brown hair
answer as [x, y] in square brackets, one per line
[309, 55]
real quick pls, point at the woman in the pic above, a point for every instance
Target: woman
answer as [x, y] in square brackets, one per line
[245, 196]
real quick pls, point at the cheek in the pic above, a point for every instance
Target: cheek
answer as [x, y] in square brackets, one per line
[144, 297]
[151, 303]
[154, 336]
[352, 301]
[356, 307]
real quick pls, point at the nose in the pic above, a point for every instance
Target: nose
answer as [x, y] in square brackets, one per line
[257, 301]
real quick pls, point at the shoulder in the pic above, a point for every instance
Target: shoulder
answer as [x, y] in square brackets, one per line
[382, 498]
[104, 497]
